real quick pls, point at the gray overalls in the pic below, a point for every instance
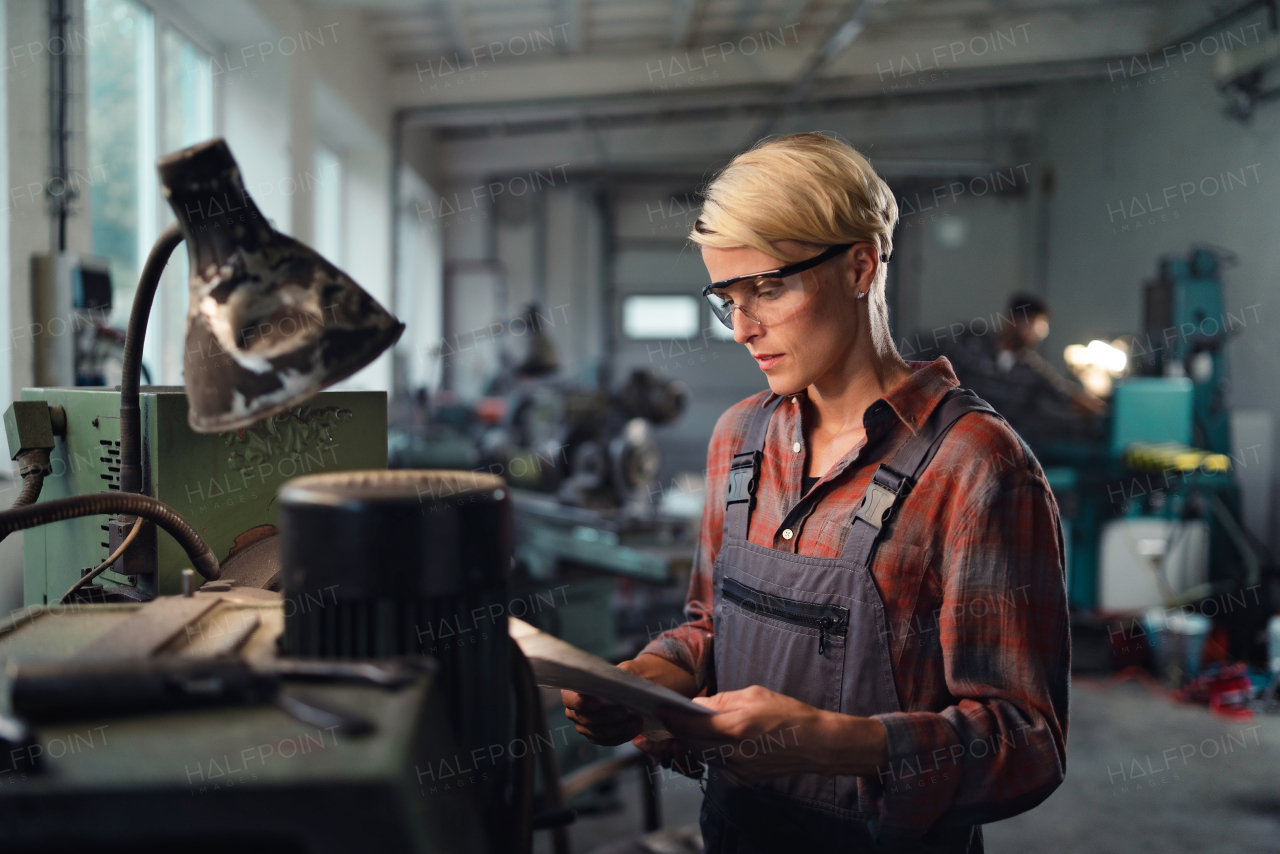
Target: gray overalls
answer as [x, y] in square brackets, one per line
[813, 629]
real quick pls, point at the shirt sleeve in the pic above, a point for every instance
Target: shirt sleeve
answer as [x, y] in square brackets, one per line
[1000, 748]
[690, 645]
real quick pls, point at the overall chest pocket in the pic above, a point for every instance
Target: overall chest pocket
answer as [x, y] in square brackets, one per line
[782, 643]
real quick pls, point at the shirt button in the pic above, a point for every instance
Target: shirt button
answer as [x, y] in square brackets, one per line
[786, 535]
[796, 447]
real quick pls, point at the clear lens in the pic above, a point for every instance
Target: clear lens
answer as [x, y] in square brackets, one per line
[721, 308]
[765, 301]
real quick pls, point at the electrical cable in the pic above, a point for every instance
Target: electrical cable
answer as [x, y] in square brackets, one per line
[106, 564]
[32, 484]
[1252, 566]
[202, 557]
[34, 466]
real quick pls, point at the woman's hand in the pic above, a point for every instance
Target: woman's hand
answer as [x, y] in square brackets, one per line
[669, 753]
[759, 733]
[603, 722]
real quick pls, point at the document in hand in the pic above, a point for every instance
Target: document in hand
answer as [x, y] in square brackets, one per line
[557, 664]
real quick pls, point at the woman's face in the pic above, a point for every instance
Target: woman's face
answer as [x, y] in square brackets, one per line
[798, 349]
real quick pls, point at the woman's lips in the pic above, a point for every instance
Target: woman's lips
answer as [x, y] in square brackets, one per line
[768, 360]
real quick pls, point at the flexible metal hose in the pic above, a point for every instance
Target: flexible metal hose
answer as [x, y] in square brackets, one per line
[34, 467]
[131, 372]
[106, 503]
[32, 484]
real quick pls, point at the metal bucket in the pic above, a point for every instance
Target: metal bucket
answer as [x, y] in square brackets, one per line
[1177, 640]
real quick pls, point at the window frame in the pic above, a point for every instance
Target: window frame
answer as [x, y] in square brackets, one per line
[153, 210]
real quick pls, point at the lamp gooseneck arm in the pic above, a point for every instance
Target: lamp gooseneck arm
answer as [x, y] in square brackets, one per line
[131, 378]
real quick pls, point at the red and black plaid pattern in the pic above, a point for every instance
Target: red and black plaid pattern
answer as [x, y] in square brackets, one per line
[972, 578]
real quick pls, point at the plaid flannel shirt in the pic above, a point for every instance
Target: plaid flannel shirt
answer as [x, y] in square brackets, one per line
[971, 574]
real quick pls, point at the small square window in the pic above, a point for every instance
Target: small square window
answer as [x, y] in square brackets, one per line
[719, 331]
[652, 316]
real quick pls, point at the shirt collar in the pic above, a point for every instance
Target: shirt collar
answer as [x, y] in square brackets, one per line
[914, 399]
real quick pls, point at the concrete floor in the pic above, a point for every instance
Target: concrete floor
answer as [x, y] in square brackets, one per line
[1143, 775]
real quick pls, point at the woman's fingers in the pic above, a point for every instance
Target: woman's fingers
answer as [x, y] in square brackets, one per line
[599, 721]
[670, 754]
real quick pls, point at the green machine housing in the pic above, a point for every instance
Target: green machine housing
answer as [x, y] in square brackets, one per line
[223, 484]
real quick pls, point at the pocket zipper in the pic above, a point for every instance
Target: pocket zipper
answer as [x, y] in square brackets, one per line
[827, 619]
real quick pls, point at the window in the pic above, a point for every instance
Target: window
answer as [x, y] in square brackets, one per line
[187, 118]
[121, 82]
[136, 111]
[650, 316]
[718, 330]
[188, 92]
[326, 201]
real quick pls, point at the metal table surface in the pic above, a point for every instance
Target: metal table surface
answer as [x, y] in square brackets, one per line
[254, 776]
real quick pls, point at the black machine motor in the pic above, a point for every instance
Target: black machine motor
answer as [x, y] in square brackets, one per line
[381, 564]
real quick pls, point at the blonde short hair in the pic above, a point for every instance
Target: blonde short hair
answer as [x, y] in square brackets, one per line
[808, 188]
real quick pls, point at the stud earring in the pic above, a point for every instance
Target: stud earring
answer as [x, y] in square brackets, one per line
[861, 294]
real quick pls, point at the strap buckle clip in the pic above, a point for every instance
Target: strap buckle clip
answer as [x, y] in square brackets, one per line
[881, 497]
[742, 477]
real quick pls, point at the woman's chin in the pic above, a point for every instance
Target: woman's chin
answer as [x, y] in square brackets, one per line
[785, 385]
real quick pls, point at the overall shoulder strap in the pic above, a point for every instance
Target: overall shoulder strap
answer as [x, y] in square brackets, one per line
[890, 483]
[744, 474]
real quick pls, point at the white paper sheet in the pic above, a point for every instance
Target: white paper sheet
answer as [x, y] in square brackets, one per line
[557, 664]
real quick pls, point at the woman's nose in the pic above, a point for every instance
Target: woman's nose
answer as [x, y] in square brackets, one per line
[744, 328]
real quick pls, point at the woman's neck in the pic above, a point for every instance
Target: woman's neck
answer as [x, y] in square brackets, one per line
[842, 395]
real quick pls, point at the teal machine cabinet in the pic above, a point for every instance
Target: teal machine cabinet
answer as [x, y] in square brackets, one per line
[1186, 335]
[223, 484]
[1151, 409]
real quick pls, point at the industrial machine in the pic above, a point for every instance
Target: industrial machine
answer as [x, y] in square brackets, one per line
[114, 694]
[1186, 332]
[346, 715]
[1154, 515]
[224, 484]
[70, 301]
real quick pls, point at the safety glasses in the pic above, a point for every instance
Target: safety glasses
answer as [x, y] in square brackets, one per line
[769, 296]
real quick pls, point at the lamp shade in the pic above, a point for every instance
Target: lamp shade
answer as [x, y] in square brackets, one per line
[270, 322]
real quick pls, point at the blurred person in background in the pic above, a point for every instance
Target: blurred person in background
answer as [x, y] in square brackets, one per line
[1004, 368]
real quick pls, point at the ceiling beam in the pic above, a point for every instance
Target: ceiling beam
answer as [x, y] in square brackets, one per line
[855, 21]
[898, 60]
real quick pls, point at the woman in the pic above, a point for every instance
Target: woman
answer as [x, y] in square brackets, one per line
[877, 610]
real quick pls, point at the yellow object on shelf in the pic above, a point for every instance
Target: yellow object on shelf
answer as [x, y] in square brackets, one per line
[1171, 456]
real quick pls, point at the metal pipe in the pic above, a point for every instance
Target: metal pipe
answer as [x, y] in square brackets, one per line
[608, 288]
[59, 95]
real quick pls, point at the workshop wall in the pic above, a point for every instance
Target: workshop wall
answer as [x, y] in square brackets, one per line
[959, 266]
[507, 245]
